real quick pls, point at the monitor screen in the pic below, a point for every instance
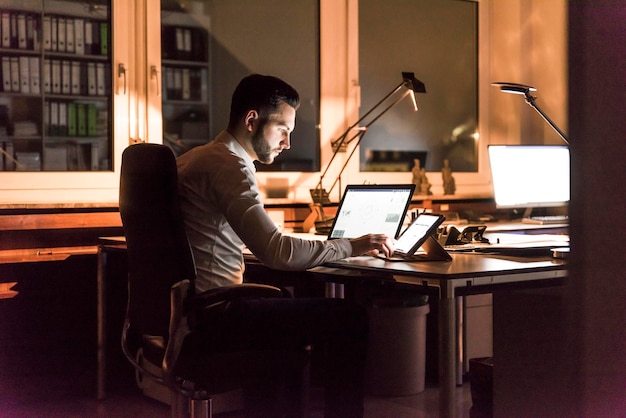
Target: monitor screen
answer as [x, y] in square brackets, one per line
[528, 176]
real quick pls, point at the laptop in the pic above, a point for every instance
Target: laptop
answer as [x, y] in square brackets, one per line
[371, 209]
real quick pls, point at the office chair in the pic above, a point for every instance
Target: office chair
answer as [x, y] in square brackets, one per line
[162, 305]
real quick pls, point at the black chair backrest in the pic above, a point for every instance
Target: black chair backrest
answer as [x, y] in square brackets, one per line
[158, 251]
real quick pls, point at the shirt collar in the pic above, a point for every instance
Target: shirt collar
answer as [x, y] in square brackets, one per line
[232, 144]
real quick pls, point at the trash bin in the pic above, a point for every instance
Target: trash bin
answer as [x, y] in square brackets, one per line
[397, 344]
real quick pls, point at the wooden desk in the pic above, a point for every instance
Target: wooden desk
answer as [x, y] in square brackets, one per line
[465, 274]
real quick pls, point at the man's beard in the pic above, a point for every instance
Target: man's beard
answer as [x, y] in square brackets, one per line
[261, 147]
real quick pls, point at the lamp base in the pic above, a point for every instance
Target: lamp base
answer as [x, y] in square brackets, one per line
[320, 196]
[339, 147]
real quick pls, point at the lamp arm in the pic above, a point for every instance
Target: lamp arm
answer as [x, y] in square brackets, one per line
[531, 102]
[339, 141]
[361, 134]
[388, 108]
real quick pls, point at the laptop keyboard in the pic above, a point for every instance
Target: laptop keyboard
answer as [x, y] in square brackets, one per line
[547, 219]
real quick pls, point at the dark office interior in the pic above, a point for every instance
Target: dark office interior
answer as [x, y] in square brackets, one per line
[558, 350]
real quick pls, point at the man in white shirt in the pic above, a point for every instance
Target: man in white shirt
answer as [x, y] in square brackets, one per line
[223, 212]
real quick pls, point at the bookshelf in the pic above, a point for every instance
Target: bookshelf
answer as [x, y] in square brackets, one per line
[55, 96]
[185, 80]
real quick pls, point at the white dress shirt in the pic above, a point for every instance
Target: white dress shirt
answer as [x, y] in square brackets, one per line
[223, 212]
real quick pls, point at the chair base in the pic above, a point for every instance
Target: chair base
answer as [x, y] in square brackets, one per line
[221, 402]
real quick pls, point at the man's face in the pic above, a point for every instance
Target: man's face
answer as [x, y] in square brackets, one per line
[272, 136]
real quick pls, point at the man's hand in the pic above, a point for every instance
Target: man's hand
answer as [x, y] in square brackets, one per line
[372, 244]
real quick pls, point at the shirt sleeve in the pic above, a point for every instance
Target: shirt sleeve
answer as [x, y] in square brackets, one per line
[282, 252]
[247, 216]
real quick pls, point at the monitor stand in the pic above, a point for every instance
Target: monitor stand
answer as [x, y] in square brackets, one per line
[543, 217]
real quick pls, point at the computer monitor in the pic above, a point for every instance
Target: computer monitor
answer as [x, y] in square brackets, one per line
[530, 176]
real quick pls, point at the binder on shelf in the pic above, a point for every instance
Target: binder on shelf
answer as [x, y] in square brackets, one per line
[62, 119]
[47, 76]
[71, 119]
[88, 37]
[5, 20]
[13, 30]
[95, 157]
[198, 84]
[66, 77]
[61, 34]
[95, 38]
[24, 64]
[92, 119]
[81, 119]
[84, 89]
[100, 79]
[53, 33]
[54, 118]
[35, 78]
[75, 78]
[46, 117]
[46, 33]
[6, 74]
[21, 31]
[56, 76]
[69, 35]
[186, 85]
[180, 43]
[79, 36]
[74, 159]
[187, 43]
[91, 79]
[102, 122]
[178, 83]
[15, 74]
[169, 83]
[104, 38]
[32, 33]
[204, 85]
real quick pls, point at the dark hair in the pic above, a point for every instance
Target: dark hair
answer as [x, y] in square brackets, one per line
[262, 93]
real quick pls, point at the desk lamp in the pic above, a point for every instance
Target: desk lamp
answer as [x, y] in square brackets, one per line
[319, 195]
[525, 90]
[413, 85]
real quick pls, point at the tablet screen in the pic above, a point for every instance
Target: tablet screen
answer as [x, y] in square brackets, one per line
[417, 233]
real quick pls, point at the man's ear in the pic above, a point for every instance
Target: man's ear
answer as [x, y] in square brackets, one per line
[251, 119]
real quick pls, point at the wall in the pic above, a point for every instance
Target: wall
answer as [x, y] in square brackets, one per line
[527, 45]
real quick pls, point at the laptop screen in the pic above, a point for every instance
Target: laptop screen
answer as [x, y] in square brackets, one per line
[371, 209]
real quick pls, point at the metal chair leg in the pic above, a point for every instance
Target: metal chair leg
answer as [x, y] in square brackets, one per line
[201, 408]
[179, 405]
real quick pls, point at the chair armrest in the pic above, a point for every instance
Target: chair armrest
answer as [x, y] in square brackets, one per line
[224, 294]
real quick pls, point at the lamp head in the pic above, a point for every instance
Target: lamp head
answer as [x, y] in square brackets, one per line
[413, 83]
[514, 88]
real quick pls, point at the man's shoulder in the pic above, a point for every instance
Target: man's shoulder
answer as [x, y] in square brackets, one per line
[211, 152]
